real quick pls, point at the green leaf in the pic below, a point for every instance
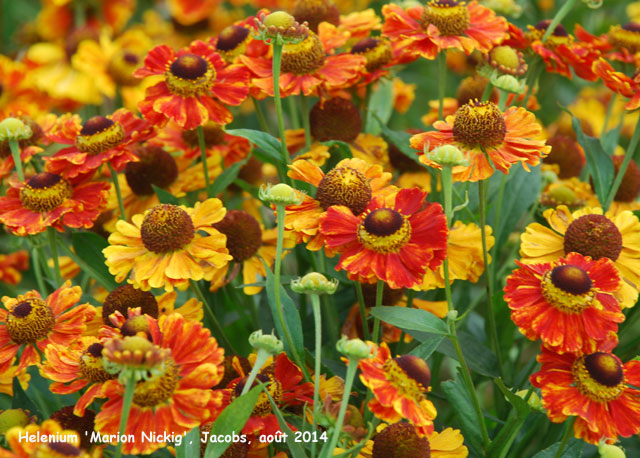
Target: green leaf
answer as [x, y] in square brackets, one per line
[267, 143]
[401, 141]
[500, 445]
[226, 177]
[380, 106]
[479, 358]
[410, 319]
[425, 349]
[342, 149]
[190, 445]
[88, 255]
[295, 448]
[599, 163]
[610, 139]
[20, 400]
[291, 315]
[231, 421]
[572, 450]
[462, 406]
[164, 196]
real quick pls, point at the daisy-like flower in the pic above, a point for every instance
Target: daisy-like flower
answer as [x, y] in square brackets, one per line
[49, 200]
[568, 304]
[100, 139]
[165, 248]
[621, 43]
[596, 388]
[30, 323]
[443, 24]
[67, 447]
[196, 85]
[399, 386]
[176, 399]
[401, 440]
[308, 66]
[619, 83]
[11, 266]
[352, 183]
[481, 127]
[75, 367]
[588, 232]
[395, 240]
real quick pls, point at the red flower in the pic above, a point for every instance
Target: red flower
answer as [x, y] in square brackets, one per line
[196, 82]
[395, 241]
[569, 304]
[619, 82]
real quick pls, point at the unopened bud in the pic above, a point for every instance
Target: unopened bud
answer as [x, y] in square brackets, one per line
[354, 348]
[280, 194]
[314, 283]
[508, 83]
[14, 129]
[447, 155]
[267, 342]
[12, 417]
[610, 451]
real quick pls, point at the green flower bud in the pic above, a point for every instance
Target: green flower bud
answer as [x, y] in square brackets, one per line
[267, 342]
[452, 315]
[508, 83]
[280, 194]
[14, 129]
[354, 348]
[610, 451]
[12, 417]
[280, 27]
[446, 155]
[314, 283]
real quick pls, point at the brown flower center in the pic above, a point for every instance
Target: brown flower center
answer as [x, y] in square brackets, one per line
[377, 52]
[126, 297]
[630, 185]
[156, 167]
[45, 192]
[479, 125]
[471, 88]
[84, 425]
[56, 450]
[190, 75]
[626, 36]
[122, 66]
[152, 392]
[565, 152]
[244, 235]
[213, 135]
[166, 228]
[315, 12]
[99, 134]
[91, 365]
[595, 236]
[400, 440]
[571, 279]
[232, 42]
[30, 321]
[303, 58]
[599, 376]
[449, 16]
[344, 186]
[384, 230]
[335, 119]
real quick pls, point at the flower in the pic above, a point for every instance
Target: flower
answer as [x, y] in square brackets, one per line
[395, 240]
[443, 24]
[100, 139]
[588, 232]
[196, 81]
[399, 386]
[30, 323]
[619, 83]
[164, 247]
[568, 303]
[595, 388]
[50, 200]
[314, 283]
[11, 265]
[41, 447]
[75, 367]
[176, 400]
[479, 127]
[352, 182]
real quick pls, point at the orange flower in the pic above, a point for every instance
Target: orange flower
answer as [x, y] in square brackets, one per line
[399, 386]
[352, 182]
[11, 265]
[21, 448]
[308, 67]
[619, 83]
[188, 12]
[621, 43]
[30, 323]
[569, 303]
[395, 240]
[443, 24]
[196, 81]
[176, 400]
[49, 200]
[596, 388]
[74, 367]
[100, 139]
[507, 138]
[164, 248]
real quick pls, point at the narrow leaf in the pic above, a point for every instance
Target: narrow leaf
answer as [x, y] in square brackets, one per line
[462, 405]
[164, 196]
[401, 141]
[267, 143]
[572, 450]
[190, 445]
[88, 255]
[425, 349]
[295, 448]
[410, 319]
[226, 178]
[380, 106]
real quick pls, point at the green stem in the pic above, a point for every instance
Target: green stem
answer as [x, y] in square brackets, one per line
[562, 12]
[376, 321]
[262, 120]
[15, 152]
[487, 91]
[304, 108]
[317, 316]
[293, 113]
[363, 312]
[442, 81]
[277, 58]
[129, 389]
[633, 144]
[328, 302]
[37, 270]
[203, 158]
[261, 358]
[568, 432]
[116, 185]
[351, 373]
[51, 233]
[502, 101]
[612, 102]
[490, 317]
[209, 312]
